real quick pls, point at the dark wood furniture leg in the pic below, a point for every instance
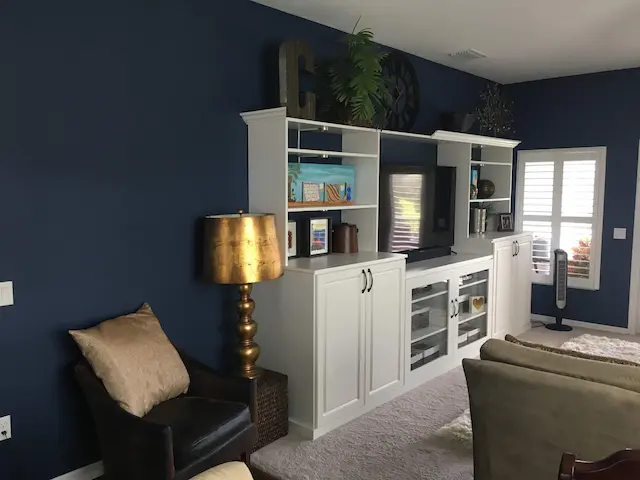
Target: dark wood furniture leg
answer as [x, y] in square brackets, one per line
[622, 465]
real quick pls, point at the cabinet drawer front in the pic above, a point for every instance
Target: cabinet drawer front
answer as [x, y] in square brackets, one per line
[340, 330]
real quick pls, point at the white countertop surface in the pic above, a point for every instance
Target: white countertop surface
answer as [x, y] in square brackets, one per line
[494, 236]
[339, 261]
[441, 263]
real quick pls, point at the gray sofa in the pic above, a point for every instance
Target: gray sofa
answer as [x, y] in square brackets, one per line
[529, 406]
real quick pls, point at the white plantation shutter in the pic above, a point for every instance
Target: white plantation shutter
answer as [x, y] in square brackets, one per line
[560, 201]
[406, 191]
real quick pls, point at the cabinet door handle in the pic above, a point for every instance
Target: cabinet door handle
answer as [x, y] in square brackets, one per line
[457, 307]
[366, 281]
[513, 248]
[453, 310]
[517, 248]
[371, 275]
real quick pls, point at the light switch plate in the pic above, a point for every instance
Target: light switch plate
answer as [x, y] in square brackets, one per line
[619, 233]
[6, 294]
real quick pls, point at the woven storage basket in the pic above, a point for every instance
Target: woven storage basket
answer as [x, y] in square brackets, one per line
[273, 408]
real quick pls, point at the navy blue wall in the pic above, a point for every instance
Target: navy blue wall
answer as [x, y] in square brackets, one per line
[587, 111]
[119, 129]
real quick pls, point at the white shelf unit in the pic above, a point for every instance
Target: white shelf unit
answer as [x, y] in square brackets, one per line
[496, 164]
[270, 153]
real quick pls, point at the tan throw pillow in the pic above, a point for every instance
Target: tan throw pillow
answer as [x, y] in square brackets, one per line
[135, 360]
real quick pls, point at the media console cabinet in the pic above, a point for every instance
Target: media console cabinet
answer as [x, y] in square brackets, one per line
[353, 331]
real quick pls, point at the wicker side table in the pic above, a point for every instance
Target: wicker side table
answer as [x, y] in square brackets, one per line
[273, 408]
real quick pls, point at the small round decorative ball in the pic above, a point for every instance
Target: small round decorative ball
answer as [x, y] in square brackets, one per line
[486, 189]
[473, 192]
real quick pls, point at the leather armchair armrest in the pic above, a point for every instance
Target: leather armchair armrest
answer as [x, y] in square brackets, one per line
[128, 443]
[206, 382]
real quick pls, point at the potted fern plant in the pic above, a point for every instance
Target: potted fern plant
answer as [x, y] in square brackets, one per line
[358, 92]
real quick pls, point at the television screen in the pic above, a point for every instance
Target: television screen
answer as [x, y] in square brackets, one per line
[416, 209]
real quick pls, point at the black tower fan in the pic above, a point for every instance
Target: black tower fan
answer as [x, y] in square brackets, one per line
[560, 278]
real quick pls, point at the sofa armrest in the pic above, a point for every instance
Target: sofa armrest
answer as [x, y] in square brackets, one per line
[206, 382]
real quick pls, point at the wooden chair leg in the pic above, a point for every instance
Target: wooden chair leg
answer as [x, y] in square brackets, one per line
[246, 458]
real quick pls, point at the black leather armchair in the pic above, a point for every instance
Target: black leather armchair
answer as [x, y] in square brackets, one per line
[213, 423]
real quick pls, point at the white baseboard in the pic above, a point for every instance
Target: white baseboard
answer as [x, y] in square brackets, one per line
[578, 324]
[90, 472]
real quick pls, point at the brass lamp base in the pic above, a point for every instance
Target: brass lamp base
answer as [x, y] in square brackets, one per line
[247, 350]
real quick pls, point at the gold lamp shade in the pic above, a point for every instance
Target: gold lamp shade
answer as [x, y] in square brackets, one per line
[241, 248]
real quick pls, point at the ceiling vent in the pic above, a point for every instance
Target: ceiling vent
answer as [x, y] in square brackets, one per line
[468, 54]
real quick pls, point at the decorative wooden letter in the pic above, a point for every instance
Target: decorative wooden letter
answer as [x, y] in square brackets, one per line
[291, 52]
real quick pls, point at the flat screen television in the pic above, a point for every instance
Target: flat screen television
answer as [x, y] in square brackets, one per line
[417, 208]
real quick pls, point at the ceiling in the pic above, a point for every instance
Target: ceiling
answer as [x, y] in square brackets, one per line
[523, 39]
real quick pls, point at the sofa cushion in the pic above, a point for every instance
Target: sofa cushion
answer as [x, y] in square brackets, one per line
[200, 426]
[622, 376]
[135, 360]
[571, 353]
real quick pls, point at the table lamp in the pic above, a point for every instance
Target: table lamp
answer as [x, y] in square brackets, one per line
[242, 249]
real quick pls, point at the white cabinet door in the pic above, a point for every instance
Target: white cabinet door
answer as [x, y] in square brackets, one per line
[340, 344]
[522, 307]
[385, 331]
[504, 274]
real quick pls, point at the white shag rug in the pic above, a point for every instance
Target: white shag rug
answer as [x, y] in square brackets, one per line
[460, 431]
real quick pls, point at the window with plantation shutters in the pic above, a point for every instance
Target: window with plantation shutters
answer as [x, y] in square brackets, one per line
[406, 193]
[560, 196]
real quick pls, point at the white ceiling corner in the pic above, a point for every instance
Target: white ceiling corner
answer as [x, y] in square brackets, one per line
[523, 39]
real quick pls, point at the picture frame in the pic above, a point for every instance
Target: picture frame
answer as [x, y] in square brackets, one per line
[292, 239]
[315, 238]
[505, 222]
[476, 304]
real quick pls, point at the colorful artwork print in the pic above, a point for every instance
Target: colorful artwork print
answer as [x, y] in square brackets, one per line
[292, 240]
[311, 192]
[334, 183]
[335, 193]
[319, 236]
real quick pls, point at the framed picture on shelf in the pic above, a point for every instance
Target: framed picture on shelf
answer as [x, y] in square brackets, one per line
[476, 304]
[292, 239]
[475, 175]
[505, 222]
[316, 237]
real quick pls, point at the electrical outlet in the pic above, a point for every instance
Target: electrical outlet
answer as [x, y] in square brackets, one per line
[5, 428]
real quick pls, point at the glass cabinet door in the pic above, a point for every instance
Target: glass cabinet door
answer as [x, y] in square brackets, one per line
[473, 292]
[430, 311]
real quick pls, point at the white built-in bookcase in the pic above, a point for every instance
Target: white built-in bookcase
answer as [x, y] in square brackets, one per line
[272, 134]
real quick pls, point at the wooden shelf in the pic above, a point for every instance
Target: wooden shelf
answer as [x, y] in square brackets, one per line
[467, 317]
[408, 137]
[329, 208]
[481, 162]
[305, 152]
[474, 140]
[433, 294]
[466, 285]
[305, 125]
[422, 333]
[484, 200]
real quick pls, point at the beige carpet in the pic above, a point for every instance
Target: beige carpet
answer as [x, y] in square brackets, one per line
[396, 441]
